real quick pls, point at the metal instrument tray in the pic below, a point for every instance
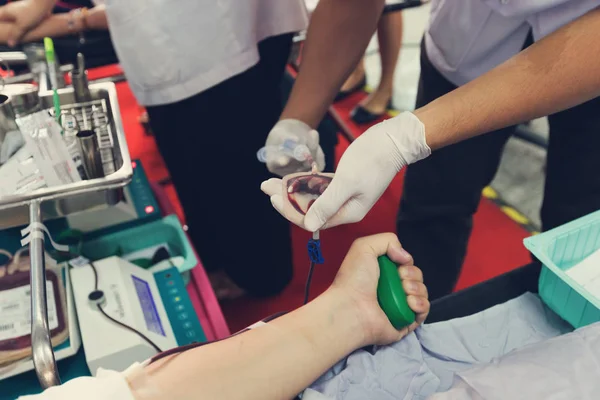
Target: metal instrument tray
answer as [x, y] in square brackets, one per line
[60, 201]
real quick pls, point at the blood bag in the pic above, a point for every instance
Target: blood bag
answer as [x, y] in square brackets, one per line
[302, 189]
[15, 307]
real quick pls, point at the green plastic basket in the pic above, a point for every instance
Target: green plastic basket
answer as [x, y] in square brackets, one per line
[560, 249]
[166, 230]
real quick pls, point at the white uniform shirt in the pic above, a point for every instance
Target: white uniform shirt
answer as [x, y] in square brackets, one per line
[172, 50]
[467, 38]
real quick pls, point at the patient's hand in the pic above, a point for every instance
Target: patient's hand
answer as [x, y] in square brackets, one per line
[357, 279]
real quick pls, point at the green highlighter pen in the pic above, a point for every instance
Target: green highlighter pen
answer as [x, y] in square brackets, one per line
[51, 60]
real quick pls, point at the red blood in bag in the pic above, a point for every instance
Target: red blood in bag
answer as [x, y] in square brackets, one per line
[21, 278]
[302, 191]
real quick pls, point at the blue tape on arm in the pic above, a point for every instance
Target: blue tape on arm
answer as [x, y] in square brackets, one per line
[314, 251]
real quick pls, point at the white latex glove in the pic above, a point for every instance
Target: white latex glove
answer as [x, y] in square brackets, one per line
[302, 134]
[363, 174]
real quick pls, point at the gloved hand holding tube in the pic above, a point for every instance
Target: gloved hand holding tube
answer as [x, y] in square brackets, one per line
[363, 174]
[483, 105]
[300, 134]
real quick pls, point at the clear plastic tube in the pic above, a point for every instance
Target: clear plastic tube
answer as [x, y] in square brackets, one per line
[289, 148]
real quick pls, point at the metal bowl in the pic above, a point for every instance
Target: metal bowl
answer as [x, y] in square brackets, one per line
[23, 96]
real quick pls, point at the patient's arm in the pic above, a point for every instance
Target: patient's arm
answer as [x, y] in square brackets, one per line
[279, 360]
[275, 361]
[556, 73]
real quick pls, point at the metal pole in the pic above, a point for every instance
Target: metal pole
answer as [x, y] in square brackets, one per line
[41, 345]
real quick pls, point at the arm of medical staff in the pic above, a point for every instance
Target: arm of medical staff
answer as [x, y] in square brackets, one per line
[558, 72]
[280, 359]
[58, 25]
[337, 37]
[24, 15]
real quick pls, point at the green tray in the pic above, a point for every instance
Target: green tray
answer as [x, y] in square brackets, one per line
[560, 249]
[166, 230]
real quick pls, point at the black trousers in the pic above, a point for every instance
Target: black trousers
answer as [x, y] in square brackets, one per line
[442, 192]
[209, 144]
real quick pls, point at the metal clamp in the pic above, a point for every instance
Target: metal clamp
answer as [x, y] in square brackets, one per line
[41, 345]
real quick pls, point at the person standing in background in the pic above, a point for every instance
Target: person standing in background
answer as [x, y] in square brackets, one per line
[208, 73]
[441, 193]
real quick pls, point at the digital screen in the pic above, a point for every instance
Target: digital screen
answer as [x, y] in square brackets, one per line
[153, 322]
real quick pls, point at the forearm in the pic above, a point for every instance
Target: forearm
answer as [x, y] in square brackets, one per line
[272, 362]
[337, 37]
[57, 25]
[46, 5]
[96, 18]
[558, 72]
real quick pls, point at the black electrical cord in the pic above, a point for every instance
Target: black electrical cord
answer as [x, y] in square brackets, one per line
[129, 328]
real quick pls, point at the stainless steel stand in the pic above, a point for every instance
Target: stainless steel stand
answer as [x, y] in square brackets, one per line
[58, 201]
[43, 356]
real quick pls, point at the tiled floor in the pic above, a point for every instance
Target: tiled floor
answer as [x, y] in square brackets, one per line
[520, 178]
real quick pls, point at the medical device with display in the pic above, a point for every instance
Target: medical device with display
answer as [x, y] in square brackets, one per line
[128, 313]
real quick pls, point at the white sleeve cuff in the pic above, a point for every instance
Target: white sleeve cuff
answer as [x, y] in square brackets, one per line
[107, 385]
